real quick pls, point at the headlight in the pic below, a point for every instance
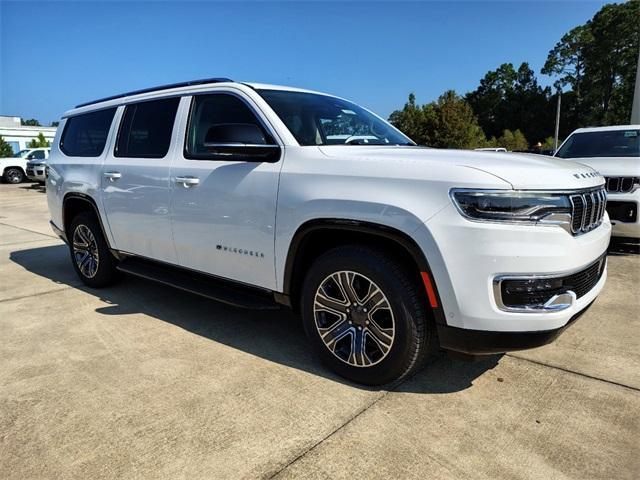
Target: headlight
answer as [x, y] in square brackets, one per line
[513, 206]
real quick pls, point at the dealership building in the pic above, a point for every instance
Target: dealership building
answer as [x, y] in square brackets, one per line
[18, 136]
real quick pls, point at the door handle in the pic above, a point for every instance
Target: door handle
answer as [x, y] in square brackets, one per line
[188, 181]
[112, 176]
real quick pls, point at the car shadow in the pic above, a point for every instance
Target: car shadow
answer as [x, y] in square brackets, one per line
[276, 336]
[34, 186]
[622, 246]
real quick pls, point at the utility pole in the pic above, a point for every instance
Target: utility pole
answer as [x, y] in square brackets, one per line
[635, 106]
[555, 148]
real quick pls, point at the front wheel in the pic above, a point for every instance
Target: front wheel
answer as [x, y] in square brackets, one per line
[366, 316]
[13, 175]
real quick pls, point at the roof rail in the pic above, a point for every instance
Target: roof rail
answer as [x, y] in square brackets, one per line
[161, 87]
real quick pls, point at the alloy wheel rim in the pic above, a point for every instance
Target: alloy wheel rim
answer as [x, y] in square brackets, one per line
[85, 251]
[354, 318]
[14, 176]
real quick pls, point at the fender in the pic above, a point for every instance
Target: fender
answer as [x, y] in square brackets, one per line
[90, 201]
[369, 228]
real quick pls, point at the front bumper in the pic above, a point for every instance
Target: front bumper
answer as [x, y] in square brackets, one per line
[36, 173]
[623, 210]
[480, 342]
[466, 257]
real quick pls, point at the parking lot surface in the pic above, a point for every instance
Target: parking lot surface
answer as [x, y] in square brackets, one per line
[143, 381]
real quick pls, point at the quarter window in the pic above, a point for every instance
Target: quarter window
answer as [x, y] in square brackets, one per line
[220, 114]
[145, 130]
[85, 135]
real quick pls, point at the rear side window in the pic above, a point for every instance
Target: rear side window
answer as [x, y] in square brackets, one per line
[214, 112]
[145, 130]
[85, 135]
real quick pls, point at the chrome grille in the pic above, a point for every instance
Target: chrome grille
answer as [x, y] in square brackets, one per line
[622, 184]
[587, 210]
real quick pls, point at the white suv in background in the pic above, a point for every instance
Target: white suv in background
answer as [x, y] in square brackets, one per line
[615, 153]
[14, 169]
[257, 195]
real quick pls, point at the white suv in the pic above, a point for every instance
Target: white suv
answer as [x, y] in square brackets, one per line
[615, 152]
[258, 195]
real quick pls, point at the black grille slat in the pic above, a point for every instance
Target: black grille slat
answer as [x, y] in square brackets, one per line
[587, 210]
[621, 184]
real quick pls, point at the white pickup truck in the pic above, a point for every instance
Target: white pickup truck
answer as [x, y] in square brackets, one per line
[14, 169]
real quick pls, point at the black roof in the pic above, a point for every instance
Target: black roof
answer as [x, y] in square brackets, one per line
[161, 87]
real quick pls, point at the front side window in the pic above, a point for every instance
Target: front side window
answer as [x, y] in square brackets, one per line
[316, 119]
[222, 120]
[612, 143]
[86, 135]
[37, 155]
[145, 130]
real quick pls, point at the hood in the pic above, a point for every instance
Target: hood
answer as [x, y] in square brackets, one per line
[522, 171]
[611, 166]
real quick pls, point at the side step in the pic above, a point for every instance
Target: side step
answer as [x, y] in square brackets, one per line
[201, 284]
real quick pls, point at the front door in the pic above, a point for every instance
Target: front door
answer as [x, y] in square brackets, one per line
[224, 206]
[135, 180]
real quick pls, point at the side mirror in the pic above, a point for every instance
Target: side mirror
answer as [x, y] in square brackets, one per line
[30, 156]
[240, 142]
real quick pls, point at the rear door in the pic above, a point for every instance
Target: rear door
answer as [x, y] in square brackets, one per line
[224, 203]
[135, 180]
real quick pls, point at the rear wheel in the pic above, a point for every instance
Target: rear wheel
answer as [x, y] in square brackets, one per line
[365, 315]
[92, 260]
[13, 175]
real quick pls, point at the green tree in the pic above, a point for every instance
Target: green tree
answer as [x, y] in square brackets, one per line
[5, 149]
[32, 122]
[411, 121]
[448, 122]
[39, 142]
[54, 124]
[598, 61]
[513, 141]
[512, 99]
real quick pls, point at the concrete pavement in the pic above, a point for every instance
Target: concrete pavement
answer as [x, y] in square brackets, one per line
[144, 381]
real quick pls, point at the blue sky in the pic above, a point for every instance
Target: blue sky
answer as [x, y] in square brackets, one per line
[54, 55]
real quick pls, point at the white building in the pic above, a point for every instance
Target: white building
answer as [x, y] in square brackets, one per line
[18, 135]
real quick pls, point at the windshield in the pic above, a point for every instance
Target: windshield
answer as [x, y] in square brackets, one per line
[612, 143]
[21, 153]
[315, 119]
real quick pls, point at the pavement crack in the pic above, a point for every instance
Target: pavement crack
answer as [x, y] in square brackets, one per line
[28, 230]
[332, 433]
[36, 294]
[580, 374]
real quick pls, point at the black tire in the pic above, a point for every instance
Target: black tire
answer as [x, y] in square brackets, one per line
[105, 264]
[413, 331]
[13, 175]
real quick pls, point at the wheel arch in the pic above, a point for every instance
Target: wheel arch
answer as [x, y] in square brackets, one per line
[315, 237]
[4, 169]
[75, 203]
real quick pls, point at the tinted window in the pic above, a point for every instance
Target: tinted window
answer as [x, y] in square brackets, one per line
[38, 155]
[212, 113]
[613, 143]
[85, 135]
[145, 130]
